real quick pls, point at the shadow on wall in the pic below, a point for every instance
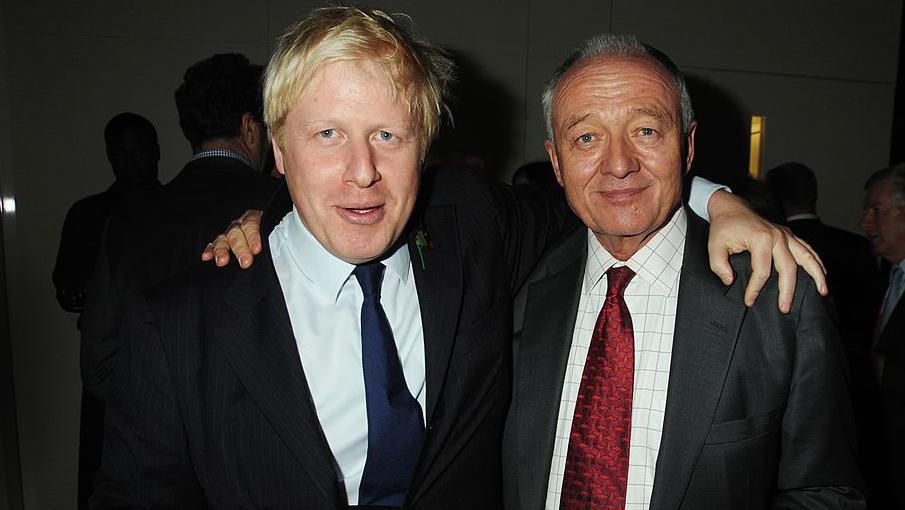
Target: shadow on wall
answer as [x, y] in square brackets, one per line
[480, 133]
[723, 144]
[722, 139]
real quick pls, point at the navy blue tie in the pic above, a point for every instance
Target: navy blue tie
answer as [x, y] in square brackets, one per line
[395, 426]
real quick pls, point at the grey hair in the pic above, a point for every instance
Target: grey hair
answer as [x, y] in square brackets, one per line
[896, 173]
[617, 45]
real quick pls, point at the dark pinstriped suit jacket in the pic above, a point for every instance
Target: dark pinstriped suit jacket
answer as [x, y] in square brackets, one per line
[757, 415]
[209, 404]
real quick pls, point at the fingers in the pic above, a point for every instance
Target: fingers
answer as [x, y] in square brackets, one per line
[242, 238]
[761, 247]
[208, 253]
[237, 244]
[220, 250]
[786, 270]
[719, 260]
[808, 259]
[251, 227]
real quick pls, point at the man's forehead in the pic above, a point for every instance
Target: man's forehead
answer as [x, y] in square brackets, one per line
[633, 85]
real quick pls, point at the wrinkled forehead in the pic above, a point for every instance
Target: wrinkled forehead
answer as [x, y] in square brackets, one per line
[628, 79]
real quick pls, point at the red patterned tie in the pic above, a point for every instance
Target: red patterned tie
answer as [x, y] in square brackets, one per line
[597, 461]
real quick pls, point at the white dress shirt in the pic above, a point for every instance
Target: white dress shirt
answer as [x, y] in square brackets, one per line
[651, 297]
[324, 302]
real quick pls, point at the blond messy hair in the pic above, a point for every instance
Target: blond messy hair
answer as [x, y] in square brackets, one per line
[417, 72]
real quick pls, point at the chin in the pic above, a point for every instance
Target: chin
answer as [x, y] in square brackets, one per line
[355, 253]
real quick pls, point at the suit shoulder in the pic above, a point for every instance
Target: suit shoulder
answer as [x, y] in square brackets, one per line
[443, 185]
[805, 287]
[200, 281]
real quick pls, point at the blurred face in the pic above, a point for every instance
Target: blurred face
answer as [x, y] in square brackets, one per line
[133, 157]
[351, 159]
[884, 222]
[618, 148]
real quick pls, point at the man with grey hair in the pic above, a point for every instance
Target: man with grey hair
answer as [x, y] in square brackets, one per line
[649, 384]
[883, 222]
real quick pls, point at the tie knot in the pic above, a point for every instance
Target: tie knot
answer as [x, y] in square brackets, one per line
[617, 280]
[369, 276]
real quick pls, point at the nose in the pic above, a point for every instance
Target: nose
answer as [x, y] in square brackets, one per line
[361, 169]
[619, 160]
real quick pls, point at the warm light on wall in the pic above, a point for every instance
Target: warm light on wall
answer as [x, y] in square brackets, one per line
[8, 205]
[758, 127]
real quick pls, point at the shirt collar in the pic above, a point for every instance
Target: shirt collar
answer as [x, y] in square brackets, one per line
[900, 265]
[658, 262]
[219, 153]
[327, 272]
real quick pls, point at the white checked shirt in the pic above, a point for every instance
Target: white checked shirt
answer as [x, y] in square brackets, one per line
[651, 297]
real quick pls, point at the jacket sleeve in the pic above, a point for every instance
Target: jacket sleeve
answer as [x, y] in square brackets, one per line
[99, 326]
[818, 467]
[146, 462]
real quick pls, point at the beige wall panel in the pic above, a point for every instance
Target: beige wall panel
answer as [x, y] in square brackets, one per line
[470, 25]
[205, 20]
[851, 40]
[840, 129]
[540, 69]
[555, 28]
[488, 108]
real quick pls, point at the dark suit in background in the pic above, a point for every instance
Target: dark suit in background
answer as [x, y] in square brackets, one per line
[853, 276]
[155, 238]
[133, 154]
[210, 403]
[891, 406]
[757, 413]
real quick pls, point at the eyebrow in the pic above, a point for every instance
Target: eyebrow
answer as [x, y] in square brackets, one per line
[576, 120]
[653, 111]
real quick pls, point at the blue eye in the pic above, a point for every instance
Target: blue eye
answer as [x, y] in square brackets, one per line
[646, 131]
[386, 135]
[327, 133]
[586, 138]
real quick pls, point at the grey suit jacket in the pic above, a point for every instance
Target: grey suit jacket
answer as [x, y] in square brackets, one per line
[757, 413]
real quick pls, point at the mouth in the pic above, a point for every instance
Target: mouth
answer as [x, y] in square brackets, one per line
[367, 215]
[621, 195]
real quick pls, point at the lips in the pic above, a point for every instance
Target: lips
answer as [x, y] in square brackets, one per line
[621, 195]
[362, 215]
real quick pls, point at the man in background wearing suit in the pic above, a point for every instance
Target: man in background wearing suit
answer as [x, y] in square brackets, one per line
[133, 153]
[220, 112]
[883, 221]
[364, 361]
[152, 238]
[639, 380]
[853, 274]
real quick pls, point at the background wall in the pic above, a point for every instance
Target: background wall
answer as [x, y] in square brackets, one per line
[822, 72]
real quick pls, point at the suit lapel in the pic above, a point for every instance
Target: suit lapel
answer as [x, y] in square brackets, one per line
[261, 349]
[708, 318]
[439, 284]
[550, 305]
